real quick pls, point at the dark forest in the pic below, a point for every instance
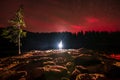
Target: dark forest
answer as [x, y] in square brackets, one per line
[101, 41]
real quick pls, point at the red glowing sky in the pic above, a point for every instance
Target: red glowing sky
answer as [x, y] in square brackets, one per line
[64, 15]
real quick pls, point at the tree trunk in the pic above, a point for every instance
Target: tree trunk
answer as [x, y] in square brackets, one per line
[19, 50]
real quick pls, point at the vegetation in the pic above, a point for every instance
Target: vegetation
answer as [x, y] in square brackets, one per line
[15, 32]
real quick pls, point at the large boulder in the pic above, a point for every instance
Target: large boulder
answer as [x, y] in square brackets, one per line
[113, 73]
[54, 72]
[90, 77]
[86, 60]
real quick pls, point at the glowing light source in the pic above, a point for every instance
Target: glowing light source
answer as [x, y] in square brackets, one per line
[60, 45]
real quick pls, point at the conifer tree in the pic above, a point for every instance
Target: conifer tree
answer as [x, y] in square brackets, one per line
[15, 32]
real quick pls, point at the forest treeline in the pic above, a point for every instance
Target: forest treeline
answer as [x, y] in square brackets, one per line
[104, 41]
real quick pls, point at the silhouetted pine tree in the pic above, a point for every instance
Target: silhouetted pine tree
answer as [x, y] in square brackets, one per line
[15, 32]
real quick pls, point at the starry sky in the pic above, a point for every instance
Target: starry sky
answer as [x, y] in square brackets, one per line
[64, 15]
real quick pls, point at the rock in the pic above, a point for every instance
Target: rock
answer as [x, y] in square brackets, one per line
[86, 60]
[114, 72]
[54, 68]
[36, 74]
[49, 63]
[74, 74]
[90, 77]
[82, 69]
[55, 72]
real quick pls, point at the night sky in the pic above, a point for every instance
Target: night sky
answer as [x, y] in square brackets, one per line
[64, 15]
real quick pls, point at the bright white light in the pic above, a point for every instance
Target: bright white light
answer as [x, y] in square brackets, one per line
[60, 45]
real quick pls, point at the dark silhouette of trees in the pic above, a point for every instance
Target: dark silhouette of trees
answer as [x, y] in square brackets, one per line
[101, 41]
[14, 33]
[93, 40]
